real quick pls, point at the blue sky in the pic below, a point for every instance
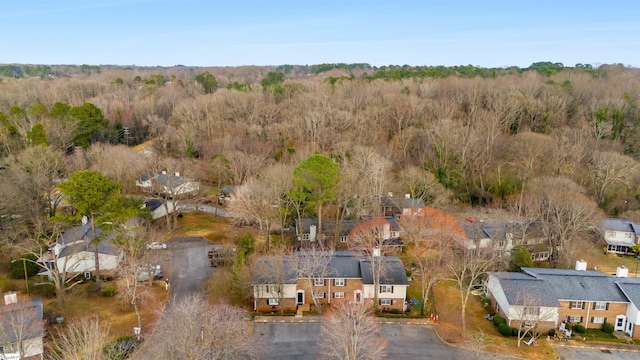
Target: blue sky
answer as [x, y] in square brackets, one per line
[233, 33]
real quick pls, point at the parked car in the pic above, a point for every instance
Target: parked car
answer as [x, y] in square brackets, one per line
[146, 271]
[221, 255]
[156, 246]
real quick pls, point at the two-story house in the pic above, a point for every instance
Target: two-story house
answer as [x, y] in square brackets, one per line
[480, 234]
[171, 185]
[349, 277]
[338, 234]
[620, 235]
[578, 296]
[73, 252]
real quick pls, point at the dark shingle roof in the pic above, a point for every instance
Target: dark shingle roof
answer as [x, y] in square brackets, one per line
[521, 288]
[104, 247]
[27, 312]
[618, 225]
[152, 204]
[271, 269]
[343, 264]
[393, 272]
[631, 289]
[585, 285]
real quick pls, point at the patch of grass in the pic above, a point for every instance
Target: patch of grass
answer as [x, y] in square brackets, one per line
[119, 317]
[599, 336]
[447, 299]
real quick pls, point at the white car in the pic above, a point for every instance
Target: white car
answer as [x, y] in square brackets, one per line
[156, 246]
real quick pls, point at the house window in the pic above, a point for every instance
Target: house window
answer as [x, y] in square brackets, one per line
[272, 302]
[305, 236]
[318, 282]
[386, 288]
[338, 295]
[628, 235]
[609, 234]
[576, 305]
[575, 319]
[532, 310]
[87, 274]
[385, 302]
[600, 305]
[339, 282]
[318, 295]
[343, 238]
[598, 320]
[272, 289]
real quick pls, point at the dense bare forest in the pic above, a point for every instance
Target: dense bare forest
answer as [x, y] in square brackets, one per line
[460, 137]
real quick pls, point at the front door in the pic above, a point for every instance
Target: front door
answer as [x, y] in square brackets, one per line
[300, 299]
[357, 297]
[630, 328]
[620, 322]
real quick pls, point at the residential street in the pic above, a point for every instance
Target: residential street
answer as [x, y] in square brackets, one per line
[298, 340]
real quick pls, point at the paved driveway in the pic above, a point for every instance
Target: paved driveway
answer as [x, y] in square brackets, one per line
[288, 341]
[186, 264]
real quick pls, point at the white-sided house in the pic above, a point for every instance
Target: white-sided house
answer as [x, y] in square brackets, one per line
[74, 252]
[519, 297]
[158, 208]
[620, 235]
[392, 287]
[165, 184]
[586, 297]
[631, 290]
[22, 329]
[275, 284]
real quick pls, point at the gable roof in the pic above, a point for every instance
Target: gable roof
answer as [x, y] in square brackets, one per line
[29, 311]
[553, 285]
[343, 264]
[82, 232]
[393, 272]
[84, 237]
[521, 288]
[631, 289]
[152, 204]
[622, 225]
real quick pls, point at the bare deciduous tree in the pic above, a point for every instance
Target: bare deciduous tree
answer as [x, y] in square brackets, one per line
[609, 169]
[312, 268]
[190, 328]
[468, 267]
[564, 212]
[21, 328]
[350, 333]
[83, 339]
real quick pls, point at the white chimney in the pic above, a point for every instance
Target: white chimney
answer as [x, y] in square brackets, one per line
[312, 233]
[85, 220]
[622, 271]
[376, 251]
[10, 298]
[407, 196]
[386, 231]
[581, 265]
[164, 172]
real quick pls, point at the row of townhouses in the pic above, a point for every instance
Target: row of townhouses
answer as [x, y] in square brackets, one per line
[349, 276]
[554, 298]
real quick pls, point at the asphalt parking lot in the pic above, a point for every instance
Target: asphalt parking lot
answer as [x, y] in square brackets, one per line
[288, 341]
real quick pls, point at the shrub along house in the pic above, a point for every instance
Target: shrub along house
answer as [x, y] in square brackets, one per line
[580, 296]
[349, 277]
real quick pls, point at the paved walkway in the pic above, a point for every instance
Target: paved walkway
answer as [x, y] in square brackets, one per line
[318, 318]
